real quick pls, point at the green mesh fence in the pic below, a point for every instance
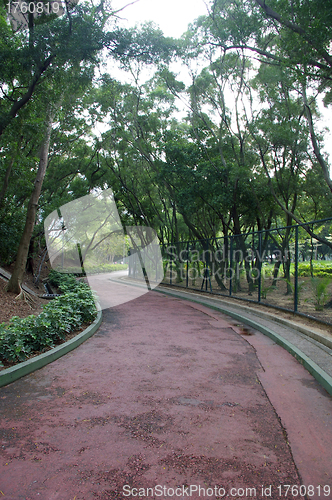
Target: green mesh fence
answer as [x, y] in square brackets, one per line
[288, 267]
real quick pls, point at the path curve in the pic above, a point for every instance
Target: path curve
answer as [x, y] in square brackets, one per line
[166, 393]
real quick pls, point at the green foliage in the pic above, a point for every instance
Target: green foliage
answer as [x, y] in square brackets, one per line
[22, 337]
[198, 177]
[265, 288]
[321, 294]
[11, 225]
[321, 270]
[301, 287]
[147, 45]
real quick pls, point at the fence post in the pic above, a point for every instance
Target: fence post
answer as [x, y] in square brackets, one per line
[171, 270]
[259, 256]
[231, 265]
[296, 262]
[209, 265]
[187, 273]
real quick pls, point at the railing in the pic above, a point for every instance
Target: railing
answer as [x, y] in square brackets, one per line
[287, 267]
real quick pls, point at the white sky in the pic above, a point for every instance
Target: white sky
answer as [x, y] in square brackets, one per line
[172, 16]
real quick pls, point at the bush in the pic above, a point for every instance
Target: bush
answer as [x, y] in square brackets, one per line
[22, 337]
[319, 269]
[321, 294]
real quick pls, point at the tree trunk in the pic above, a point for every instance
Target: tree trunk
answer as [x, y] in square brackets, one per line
[314, 142]
[14, 284]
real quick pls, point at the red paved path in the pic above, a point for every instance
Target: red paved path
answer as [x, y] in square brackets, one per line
[166, 393]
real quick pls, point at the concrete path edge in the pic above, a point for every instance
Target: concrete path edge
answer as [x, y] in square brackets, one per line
[13, 373]
[320, 375]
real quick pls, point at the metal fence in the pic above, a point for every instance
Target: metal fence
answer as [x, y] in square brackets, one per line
[287, 267]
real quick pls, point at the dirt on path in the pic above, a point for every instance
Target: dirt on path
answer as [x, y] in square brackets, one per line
[167, 400]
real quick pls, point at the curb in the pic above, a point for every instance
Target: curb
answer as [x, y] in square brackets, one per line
[312, 332]
[320, 375]
[13, 373]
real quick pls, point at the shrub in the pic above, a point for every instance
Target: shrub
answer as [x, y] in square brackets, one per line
[22, 337]
[321, 294]
[319, 269]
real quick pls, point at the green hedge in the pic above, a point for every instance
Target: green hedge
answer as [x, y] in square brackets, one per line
[22, 337]
[319, 270]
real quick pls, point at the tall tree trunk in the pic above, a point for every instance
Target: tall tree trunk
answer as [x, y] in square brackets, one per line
[14, 284]
[314, 142]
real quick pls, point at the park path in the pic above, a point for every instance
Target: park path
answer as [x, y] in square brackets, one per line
[166, 394]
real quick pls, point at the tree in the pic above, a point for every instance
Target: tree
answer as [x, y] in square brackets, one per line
[44, 59]
[283, 36]
[31, 57]
[14, 284]
[292, 34]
